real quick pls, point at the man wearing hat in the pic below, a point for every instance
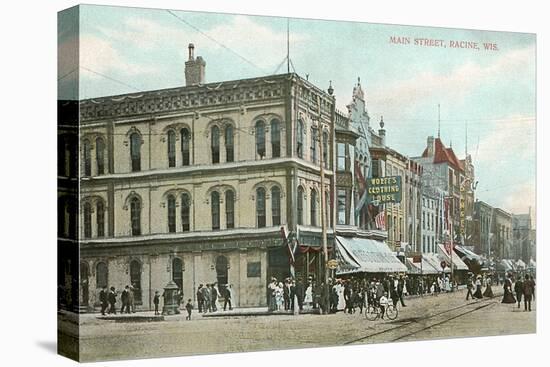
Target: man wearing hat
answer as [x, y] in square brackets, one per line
[112, 301]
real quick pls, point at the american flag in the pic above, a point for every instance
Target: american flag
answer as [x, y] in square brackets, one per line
[380, 221]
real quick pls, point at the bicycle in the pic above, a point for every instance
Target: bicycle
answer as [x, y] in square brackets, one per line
[373, 312]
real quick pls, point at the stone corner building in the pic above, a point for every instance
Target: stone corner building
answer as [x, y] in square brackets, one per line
[193, 184]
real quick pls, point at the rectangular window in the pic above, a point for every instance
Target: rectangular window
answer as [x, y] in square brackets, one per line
[341, 206]
[375, 170]
[341, 156]
[253, 269]
[313, 146]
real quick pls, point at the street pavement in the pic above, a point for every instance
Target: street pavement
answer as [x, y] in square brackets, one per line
[428, 317]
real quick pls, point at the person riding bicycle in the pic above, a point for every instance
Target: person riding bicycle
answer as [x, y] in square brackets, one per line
[383, 301]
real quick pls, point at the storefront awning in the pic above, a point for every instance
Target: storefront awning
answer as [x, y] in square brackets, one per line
[423, 268]
[458, 264]
[366, 255]
[434, 260]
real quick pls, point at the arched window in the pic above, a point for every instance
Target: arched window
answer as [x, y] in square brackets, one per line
[313, 146]
[229, 152]
[171, 213]
[62, 217]
[275, 138]
[185, 212]
[276, 206]
[100, 218]
[135, 151]
[177, 272]
[135, 280]
[87, 158]
[300, 205]
[260, 206]
[100, 155]
[313, 208]
[87, 220]
[230, 208]
[171, 148]
[260, 138]
[215, 204]
[102, 275]
[185, 139]
[215, 144]
[135, 216]
[325, 149]
[300, 139]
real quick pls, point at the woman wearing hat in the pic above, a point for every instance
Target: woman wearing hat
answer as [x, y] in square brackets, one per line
[477, 293]
[488, 290]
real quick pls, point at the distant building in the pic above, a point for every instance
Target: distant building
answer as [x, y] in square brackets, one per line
[501, 238]
[523, 239]
[483, 216]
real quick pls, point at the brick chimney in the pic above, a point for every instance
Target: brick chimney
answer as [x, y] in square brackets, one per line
[194, 68]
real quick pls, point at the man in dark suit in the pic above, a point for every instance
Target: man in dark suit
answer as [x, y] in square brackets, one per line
[286, 294]
[103, 299]
[300, 294]
[528, 291]
[518, 289]
[112, 301]
[400, 289]
[207, 295]
[200, 298]
[125, 299]
[348, 297]
[292, 294]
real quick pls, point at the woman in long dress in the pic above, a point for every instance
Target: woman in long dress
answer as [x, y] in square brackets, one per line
[508, 295]
[477, 293]
[308, 299]
[488, 290]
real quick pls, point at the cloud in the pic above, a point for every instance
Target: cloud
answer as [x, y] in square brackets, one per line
[520, 198]
[398, 98]
[509, 139]
[103, 57]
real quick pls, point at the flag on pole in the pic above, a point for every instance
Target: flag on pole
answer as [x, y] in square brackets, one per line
[380, 220]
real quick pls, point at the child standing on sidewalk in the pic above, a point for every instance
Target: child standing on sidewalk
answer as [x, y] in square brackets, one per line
[189, 307]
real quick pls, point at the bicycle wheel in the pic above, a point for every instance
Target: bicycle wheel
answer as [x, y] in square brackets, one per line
[391, 312]
[371, 313]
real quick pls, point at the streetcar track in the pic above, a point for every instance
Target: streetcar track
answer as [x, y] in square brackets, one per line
[442, 322]
[402, 325]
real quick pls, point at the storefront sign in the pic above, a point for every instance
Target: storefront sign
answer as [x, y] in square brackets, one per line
[384, 189]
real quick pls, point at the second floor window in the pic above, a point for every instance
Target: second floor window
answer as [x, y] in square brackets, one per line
[341, 156]
[260, 139]
[100, 218]
[185, 138]
[300, 206]
[275, 138]
[100, 155]
[135, 216]
[325, 149]
[313, 208]
[342, 207]
[230, 209]
[215, 207]
[215, 144]
[276, 206]
[260, 207]
[87, 220]
[135, 151]
[313, 147]
[87, 158]
[185, 212]
[229, 151]
[171, 148]
[171, 213]
[300, 139]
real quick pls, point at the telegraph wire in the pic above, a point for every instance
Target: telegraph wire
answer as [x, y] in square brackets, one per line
[112, 79]
[216, 41]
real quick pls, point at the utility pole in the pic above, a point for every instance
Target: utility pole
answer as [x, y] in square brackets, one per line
[323, 208]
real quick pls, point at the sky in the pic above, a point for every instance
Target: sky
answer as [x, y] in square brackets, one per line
[491, 93]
